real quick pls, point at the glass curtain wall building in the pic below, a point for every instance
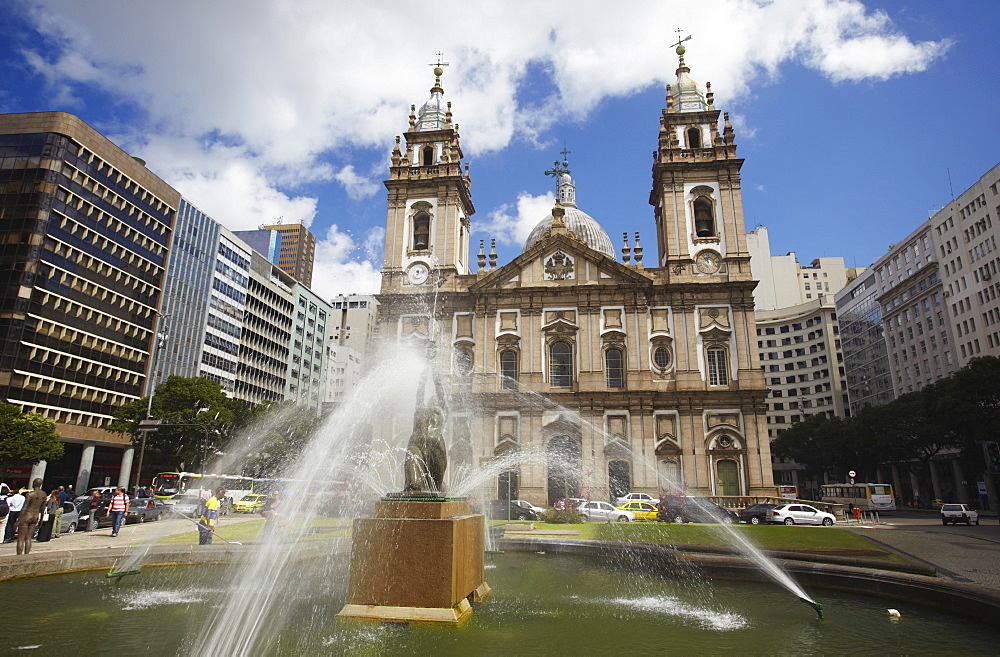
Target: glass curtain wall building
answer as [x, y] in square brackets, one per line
[186, 295]
[862, 339]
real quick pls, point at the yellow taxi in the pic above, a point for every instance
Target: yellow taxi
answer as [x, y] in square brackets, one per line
[250, 504]
[642, 510]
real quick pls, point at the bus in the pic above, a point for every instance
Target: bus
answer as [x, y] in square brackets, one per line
[871, 497]
[167, 485]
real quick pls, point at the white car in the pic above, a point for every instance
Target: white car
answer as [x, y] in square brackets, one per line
[524, 504]
[800, 514]
[956, 513]
[637, 497]
[604, 511]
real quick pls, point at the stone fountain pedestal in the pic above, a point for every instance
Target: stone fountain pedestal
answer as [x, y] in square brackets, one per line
[418, 559]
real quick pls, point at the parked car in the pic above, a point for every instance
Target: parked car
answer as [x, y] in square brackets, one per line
[577, 502]
[641, 510]
[186, 505]
[937, 504]
[507, 510]
[145, 509]
[70, 518]
[757, 514]
[801, 514]
[956, 513]
[636, 497]
[252, 503]
[694, 509]
[528, 505]
[604, 511]
[105, 491]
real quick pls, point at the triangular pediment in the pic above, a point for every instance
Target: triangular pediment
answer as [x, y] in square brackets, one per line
[559, 261]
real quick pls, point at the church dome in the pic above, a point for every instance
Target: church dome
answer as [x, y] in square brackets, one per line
[583, 226]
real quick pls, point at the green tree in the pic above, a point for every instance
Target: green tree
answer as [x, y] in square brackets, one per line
[196, 416]
[27, 438]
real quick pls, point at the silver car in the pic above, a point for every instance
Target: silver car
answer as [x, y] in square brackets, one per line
[604, 511]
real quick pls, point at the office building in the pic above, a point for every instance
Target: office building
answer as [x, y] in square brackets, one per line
[298, 251]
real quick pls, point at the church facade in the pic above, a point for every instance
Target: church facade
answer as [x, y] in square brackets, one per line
[581, 374]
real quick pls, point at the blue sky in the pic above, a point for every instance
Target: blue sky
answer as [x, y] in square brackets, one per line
[850, 115]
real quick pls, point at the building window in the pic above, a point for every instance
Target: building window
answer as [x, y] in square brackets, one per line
[508, 370]
[561, 364]
[693, 137]
[661, 358]
[428, 156]
[463, 362]
[421, 231]
[614, 363]
[718, 373]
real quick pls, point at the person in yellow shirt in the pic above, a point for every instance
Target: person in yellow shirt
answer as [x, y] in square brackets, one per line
[209, 516]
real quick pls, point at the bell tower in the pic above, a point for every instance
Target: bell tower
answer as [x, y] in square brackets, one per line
[696, 185]
[430, 200]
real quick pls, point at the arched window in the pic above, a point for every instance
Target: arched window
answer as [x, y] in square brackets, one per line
[718, 370]
[704, 217]
[427, 156]
[421, 231]
[561, 365]
[614, 365]
[694, 137]
[508, 370]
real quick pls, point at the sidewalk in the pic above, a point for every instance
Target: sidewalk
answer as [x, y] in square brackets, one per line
[136, 534]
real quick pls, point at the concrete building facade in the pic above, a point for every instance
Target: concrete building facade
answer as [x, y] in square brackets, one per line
[297, 252]
[350, 332]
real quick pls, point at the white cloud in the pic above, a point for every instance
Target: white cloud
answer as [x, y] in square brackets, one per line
[335, 272]
[356, 186]
[512, 222]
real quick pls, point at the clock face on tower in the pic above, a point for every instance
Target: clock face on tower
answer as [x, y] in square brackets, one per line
[708, 262]
[417, 273]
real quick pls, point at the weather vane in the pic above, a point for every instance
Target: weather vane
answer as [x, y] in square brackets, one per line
[559, 168]
[679, 39]
[439, 63]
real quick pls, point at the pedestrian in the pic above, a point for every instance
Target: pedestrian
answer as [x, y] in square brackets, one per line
[46, 526]
[140, 492]
[57, 523]
[4, 509]
[209, 515]
[93, 506]
[15, 502]
[272, 512]
[70, 493]
[31, 513]
[118, 510]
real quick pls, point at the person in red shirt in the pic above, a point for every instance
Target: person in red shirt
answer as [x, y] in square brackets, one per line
[118, 509]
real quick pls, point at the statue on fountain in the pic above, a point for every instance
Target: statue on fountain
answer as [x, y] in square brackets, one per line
[426, 456]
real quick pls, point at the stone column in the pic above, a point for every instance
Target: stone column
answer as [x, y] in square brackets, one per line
[897, 483]
[963, 490]
[914, 484]
[935, 483]
[37, 472]
[86, 468]
[125, 472]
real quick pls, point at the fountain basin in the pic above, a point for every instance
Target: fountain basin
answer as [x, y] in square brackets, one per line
[542, 604]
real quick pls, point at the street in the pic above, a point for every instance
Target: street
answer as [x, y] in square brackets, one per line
[963, 553]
